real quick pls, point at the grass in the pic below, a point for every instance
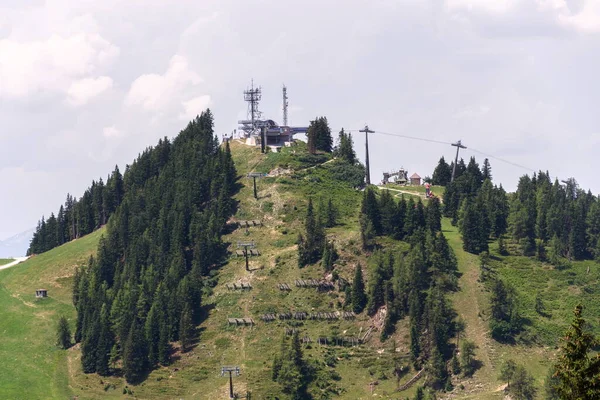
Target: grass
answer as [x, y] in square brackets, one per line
[536, 346]
[4, 261]
[32, 366]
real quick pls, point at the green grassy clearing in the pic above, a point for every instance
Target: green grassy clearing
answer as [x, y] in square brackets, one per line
[4, 261]
[32, 366]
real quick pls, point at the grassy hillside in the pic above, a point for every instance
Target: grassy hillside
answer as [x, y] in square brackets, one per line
[32, 367]
[4, 261]
[281, 208]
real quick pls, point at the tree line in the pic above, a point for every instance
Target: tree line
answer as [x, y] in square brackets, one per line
[78, 217]
[560, 216]
[143, 290]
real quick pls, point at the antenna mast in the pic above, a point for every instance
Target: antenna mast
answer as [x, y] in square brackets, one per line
[253, 97]
[285, 106]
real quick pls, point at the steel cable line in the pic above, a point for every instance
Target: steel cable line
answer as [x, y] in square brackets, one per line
[501, 159]
[404, 136]
[449, 143]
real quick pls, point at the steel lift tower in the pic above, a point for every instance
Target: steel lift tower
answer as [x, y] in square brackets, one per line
[368, 172]
[458, 146]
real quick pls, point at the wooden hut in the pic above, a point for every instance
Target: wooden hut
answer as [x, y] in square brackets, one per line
[415, 179]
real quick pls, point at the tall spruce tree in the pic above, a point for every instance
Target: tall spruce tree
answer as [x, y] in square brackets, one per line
[135, 354]
[311, 245]
[319, 136]
[577, 368]
[345, 147]
[442, 173]
[63, 333]
[486, 170]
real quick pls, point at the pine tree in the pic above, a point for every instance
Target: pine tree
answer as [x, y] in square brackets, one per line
[434, 215]
[164, 348]
[486, 170]
[152, 332]
[186, 329]
[331, 214]
[135, 354]
[345, 147]
[437, 369]
[329, 256]
[359, 298]
[115, 355]
[442, 173]
[291, 374]
[89, 345]
[523, 386]
[577, 368]
[507, 371]
[63, 333]
[319, 136]
[367, 232]
[376, 293]
[370, 208]
[471, 227]
[310, 247]
[467, 357]
[105, 343]
[415, 347]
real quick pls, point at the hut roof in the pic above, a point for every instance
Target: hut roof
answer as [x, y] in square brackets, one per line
[415, 176]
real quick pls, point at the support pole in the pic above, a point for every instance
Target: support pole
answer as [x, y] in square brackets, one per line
[458, 146]
[246, 254]
[255, 192]
[263, 139]
[230, 386]
[368, 167]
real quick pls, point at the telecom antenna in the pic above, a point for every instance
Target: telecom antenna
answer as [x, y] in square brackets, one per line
[368, 169]
[253, 97]
[458, 146]
[285, 106]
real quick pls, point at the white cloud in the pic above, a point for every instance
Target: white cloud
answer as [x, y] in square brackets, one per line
[194, 107]
[111, 132]
[492, 6]
[472, 112]
[83, 90]
[586, 20]
[582, 16]
[51, 65]
[154, 91]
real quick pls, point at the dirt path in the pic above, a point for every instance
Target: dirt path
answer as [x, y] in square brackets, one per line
[470, 302]
[421, 195]
[18, 260]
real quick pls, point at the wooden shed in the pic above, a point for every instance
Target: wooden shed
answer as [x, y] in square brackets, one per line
[41, 293]
[415, 179]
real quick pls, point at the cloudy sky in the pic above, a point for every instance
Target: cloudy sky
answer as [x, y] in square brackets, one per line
[85, 85]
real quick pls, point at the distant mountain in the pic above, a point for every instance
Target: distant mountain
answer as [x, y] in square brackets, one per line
[16, 246]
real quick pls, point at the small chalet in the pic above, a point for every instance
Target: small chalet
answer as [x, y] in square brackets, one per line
[415, 179]
[41, 293]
